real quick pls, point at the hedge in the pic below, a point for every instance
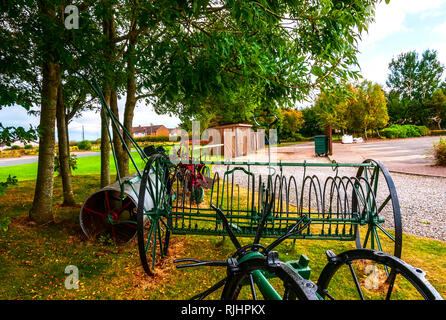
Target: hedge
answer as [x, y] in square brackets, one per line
[404, 131]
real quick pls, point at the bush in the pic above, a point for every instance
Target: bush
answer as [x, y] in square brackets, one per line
[404, 131]
[15, 147]
[154, 139]
[424, 131]
[84, 145]
[28, 146]
[440, 152]
[73, 163]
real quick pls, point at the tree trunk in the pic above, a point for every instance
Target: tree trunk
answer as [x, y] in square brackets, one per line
[117, 143]
[130, 103]
[328, 133]
[64, 153]
[105, 146]
[42, 207]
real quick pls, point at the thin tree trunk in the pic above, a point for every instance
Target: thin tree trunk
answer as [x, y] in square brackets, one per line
[130, 103]
[42, 207]
[328, 133]
[117, 143]
[64, 155]
[105, 146]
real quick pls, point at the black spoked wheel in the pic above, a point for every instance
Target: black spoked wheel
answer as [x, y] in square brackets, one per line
[378, 200]
[362, 273]
[154, 215]
[260, 280]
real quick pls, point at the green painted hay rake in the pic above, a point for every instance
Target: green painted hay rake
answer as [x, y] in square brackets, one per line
[349, 202]
[280, 201]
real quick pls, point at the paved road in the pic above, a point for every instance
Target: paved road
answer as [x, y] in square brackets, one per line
[399, 155]
[6, 162]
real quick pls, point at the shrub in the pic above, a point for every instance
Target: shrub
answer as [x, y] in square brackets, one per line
[424, 131]
[440, 152]
[73, 163]
[84, 145]
[412, 131]
[28, 146]
[154, 139]
[15, 147]
[404, 131]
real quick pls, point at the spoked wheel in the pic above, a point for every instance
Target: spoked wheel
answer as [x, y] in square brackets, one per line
[259, 279]
[378, 199]
[361, 273]
[154, 212]
[105, 215]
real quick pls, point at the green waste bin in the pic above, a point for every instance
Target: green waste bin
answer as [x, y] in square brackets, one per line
[321, 145]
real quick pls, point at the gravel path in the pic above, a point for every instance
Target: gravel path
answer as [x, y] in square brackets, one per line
[422, 199]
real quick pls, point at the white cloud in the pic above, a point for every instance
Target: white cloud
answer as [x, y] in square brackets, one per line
[440, 30]
[389, 18]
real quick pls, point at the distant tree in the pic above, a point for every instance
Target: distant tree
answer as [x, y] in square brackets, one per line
[397, 109]
[369, 110]
[331, 107]
[437, 105]
[413, 77]
[291, 121]
[310, 127]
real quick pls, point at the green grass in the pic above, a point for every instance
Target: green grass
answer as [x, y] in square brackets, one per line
[33, 258]
[85, 166]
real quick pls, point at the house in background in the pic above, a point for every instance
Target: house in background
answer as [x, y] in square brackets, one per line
[144, 131]
[175, 132]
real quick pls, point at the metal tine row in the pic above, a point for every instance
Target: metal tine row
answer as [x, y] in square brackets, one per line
[333, 202]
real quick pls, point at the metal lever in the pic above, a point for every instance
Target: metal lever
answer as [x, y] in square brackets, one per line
[199, 263]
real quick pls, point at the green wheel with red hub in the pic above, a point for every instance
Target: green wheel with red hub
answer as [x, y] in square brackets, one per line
[154, 220]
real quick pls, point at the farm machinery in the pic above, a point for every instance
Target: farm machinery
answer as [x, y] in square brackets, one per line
[259, 200]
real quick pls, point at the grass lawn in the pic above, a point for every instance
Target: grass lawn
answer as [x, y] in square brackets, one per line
[33, 258]
[85, 166]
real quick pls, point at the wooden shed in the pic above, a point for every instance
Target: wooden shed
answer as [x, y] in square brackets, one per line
[239, 139]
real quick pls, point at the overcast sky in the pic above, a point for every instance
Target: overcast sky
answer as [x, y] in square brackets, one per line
[401, 26]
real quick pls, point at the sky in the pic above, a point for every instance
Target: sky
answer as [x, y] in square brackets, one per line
[401, 26]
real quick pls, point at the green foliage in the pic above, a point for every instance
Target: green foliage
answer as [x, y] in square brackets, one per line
[353, 108]
[424, 131]
[11, 134]
[73, 163]
[84, 145]
[437, 107]
[28, 147]
[5, 220]
[415, 78]
[291, 122]
[310, 127]
[404, 131]
[153, 139]
[439, 152]
[416, 94]
[247, 59]
[9, 182]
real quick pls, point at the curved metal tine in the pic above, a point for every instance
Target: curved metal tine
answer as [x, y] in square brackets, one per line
[227, 227]
[212, 289]
[269, 204]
